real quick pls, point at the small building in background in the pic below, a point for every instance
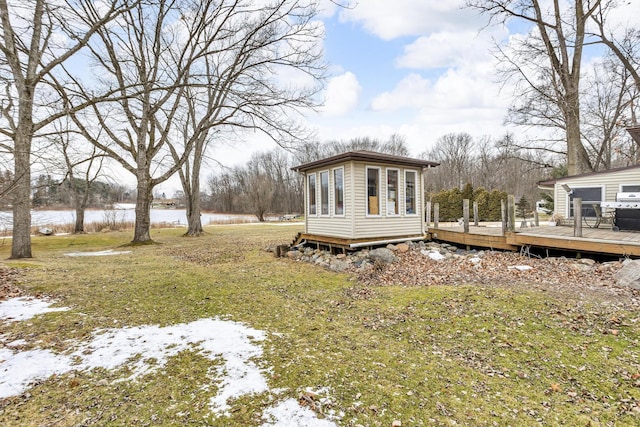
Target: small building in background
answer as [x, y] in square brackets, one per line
[363, 198]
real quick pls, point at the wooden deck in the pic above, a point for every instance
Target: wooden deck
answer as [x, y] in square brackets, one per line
[593, 240]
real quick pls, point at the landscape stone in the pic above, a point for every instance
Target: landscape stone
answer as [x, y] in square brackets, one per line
[383, 255]
[629, 274]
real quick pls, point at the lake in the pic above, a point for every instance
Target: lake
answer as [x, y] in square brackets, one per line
[121, 213]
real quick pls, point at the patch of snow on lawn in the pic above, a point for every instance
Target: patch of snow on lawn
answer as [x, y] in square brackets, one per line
[145, 349]
[289, 413]
[98, 253]
[20, 369]
[24, 308]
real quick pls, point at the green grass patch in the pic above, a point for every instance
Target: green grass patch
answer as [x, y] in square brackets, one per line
[445, 355]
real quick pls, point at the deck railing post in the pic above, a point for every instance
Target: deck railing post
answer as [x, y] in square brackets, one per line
[536, 218]
[511, 213]
[577, 217]
[465, 214]
[476, 219]
[503, 216]
[427, 212]
[436, 214]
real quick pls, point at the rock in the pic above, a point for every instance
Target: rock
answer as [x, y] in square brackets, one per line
[587, 261]
[396, 423]
[402, 247]
[339, 266]
[294, 255]
[382, 254]
[341, 256]
[629, 274]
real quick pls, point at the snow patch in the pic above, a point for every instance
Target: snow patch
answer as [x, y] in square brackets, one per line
[24, 308]
[145, 349]
[98, 253]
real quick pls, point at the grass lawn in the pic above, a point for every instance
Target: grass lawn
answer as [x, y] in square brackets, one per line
[441, 355]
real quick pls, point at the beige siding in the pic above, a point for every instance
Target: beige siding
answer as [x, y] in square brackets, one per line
[610, 183]
[332, 225]
[355, 224]
[383, 225]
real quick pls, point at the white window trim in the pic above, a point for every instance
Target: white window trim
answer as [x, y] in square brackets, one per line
[333, 195]
[628, 184]
[328, 193]
[567, 198]
[415, 193]
[315, 179]
[398, 192]
[366, 191]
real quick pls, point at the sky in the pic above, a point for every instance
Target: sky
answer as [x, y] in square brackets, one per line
[417, 68]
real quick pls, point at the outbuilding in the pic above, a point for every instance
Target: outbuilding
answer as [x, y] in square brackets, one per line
[594, 188]
[363, 198]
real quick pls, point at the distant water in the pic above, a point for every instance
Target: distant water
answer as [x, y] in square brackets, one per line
[121, 213]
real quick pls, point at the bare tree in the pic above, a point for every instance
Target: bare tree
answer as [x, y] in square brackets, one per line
[36, 38]
[609, 101]
[626, 48]
[546, 65]
[234, 89]
[159, 53]
[82, 170]
[454, 152]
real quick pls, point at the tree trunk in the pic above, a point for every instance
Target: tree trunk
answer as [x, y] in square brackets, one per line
[194, 219]
[21, 241]
[142, 227]
[577, 158]
[79, 227]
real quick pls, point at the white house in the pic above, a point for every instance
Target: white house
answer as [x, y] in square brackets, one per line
[362, 197]
[594, 187]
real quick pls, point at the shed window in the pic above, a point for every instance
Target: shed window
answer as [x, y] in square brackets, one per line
[311, 180]
[338, 191]
[410, 192]
[392, 192]
[373, 191]
[324, 193]
[589, 196]
[630, 188]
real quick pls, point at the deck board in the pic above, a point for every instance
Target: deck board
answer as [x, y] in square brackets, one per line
[593, 240]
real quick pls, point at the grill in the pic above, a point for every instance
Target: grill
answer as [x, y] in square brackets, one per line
[627, 214]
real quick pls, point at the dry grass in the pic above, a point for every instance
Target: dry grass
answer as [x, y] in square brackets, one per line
[452, 354]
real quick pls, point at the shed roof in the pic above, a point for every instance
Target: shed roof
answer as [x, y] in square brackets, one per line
[366, 156]
[551, 182]
[634, 131]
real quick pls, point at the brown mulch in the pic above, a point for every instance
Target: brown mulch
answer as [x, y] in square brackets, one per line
[8, 289]
[564, 278]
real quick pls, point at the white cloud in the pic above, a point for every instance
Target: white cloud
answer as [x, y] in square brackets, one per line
[412, 91]
[389, 20]
[342, 95]
[448, 49]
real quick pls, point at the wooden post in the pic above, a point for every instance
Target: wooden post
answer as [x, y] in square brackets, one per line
[476, 219]
[503, 216]
[511, 213]
[428, 214]
[436, 214]
[465, 214]
[577, 217]
[536, 219]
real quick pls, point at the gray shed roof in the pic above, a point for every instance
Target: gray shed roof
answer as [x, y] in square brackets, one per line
[366, 156]
[551, 182]
[634, 131]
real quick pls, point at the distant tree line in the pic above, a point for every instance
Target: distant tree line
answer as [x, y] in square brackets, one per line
[52, 192]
